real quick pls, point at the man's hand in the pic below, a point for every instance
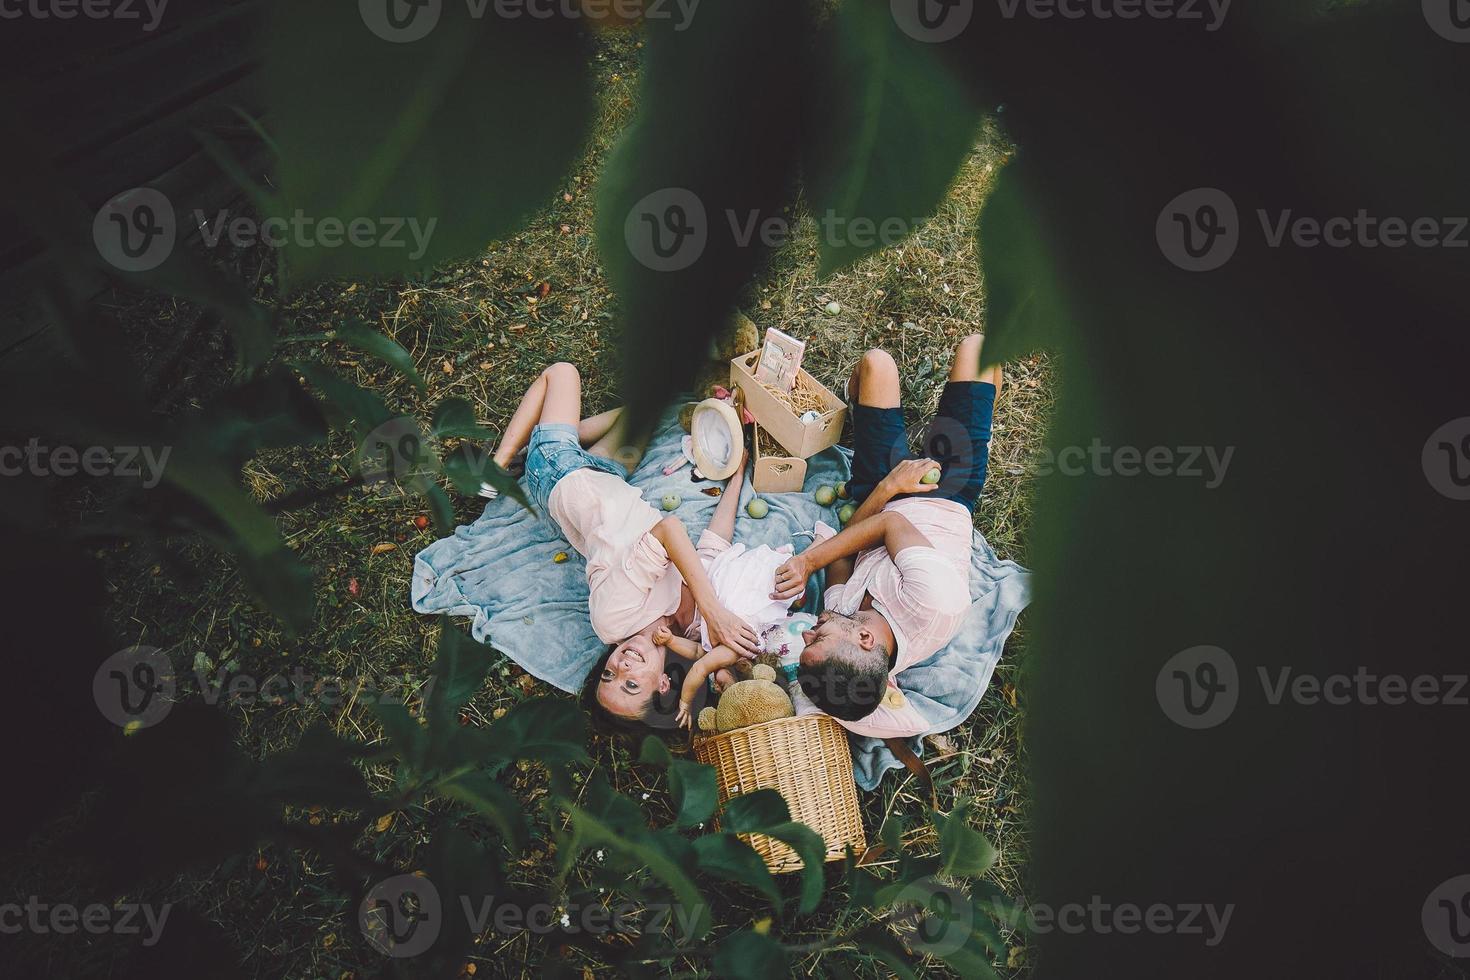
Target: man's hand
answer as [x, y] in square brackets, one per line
[791, 578]
[727, 629]
[906, 477]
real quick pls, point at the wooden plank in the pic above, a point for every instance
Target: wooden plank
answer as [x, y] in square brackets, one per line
[195, 183]
[51, 47]
[84, 111]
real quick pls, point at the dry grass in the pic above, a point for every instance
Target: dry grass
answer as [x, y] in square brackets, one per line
[481, 330]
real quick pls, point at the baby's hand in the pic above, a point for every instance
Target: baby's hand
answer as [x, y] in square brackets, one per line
[683, 719]
[662, 636]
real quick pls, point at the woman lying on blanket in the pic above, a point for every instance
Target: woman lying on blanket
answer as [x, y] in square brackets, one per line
[644, 576]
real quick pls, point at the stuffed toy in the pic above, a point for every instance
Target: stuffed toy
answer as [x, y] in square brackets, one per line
[748, 703]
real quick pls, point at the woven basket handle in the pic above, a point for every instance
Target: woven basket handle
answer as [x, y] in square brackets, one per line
[901, 751]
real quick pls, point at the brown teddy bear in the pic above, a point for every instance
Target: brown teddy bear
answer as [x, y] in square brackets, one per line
[748, 703]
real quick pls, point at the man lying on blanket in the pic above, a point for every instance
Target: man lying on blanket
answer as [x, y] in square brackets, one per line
[898, 574]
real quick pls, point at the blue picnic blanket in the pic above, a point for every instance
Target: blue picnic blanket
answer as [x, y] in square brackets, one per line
[501, 572]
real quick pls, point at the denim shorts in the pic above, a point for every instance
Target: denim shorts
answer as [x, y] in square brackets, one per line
[958, 439]
[553, 453]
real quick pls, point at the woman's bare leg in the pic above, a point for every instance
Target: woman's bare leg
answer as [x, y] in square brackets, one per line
[528, 414]
[616, 445]
[555, 396]
[591, 429]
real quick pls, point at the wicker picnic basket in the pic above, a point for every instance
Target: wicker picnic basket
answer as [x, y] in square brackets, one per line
[807, 760]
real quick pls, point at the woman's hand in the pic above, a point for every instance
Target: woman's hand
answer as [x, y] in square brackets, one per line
[791, 577]
[662, 636]
[906, 477]
[727, 629]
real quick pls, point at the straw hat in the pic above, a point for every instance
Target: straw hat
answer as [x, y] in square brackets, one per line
[718, 441]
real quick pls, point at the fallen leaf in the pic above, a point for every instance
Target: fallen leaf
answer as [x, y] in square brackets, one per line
[384, 547]
[560, 557]
[384, 822]
[711, 491]
[352, 586]
[1009, 690]
[448, 368]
